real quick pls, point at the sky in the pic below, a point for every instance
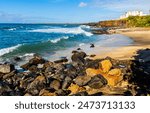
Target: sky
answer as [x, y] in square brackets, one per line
[67, 11]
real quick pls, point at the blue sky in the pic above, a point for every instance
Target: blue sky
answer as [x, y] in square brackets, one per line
[66, 11]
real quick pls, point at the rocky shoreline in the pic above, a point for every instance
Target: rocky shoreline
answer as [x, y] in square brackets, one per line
[80, 77]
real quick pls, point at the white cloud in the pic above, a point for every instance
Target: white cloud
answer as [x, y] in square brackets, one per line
[82, 4]
[124, 5]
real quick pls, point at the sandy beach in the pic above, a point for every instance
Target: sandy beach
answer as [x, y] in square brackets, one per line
[141, 41]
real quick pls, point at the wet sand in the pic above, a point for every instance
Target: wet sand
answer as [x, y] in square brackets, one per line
[141, 41]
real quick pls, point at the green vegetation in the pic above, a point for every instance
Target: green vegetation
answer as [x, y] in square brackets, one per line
[132, 21]
[138, 21]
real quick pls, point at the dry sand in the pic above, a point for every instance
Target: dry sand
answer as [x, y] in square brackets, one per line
[141, 41]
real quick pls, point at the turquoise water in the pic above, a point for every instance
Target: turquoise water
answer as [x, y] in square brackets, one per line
[47, 39]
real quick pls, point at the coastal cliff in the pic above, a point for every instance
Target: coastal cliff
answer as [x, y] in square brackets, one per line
[131, 21]
[110, 26]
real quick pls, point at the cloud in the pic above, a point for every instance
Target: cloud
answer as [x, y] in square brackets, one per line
[82, 4]
[122, 5]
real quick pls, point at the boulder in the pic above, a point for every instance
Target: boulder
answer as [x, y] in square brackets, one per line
[55, 84]
[47, 64]
[50, 70]
[33, 68]
[59, 67]
[9, 74]
[4, 89]
[84, 93]
[78, 48]
[71, 70]
[92, 72]
[66, 83]
[82, 80]
[40, 66]
[113, 77]
[17, 58]
[61, 92]
[37, 60]
[97, 94]
[92, 45]
[35, 86]
[61, 60]
[75, 88]
[97, 82]
[106, 65]
[92, 63]
[113, 80]
[26, 66]
[27, 94]
[1, 75]
[45, 92]
[93, 55]
[23, 84]
[59, 77]
[74, 51]
[6, 68]
[115, 72]
[34, 61]
[78, 57]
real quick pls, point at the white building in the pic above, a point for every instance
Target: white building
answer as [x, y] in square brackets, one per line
[132, 13]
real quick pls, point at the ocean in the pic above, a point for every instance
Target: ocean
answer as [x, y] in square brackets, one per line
[51, 41]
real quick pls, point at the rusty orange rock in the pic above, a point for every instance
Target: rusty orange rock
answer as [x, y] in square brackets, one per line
[40, 78]
[92, 72]
[115, 72]
[44, 92]
[106, 65]
[75, 88]
[113, 80]
[49, 94]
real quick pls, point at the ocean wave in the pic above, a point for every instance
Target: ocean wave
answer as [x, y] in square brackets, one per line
[27, 55]
[59, 39]
[8, 29]
[75, 30]
[85, 26]
[8, 50]
[12, 29]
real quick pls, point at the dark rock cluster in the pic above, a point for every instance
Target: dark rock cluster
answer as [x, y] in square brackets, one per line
[80, 77]
[141, 73]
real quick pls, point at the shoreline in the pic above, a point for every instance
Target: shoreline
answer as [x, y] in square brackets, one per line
[82, 76]
[141, 40]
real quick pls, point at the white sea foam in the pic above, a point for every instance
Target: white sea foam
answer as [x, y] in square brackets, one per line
[65, 37]
[56, 40]
[28, 55]
[82, 44]
[85, 26]
[75, 30]
[59, 39]
[8, 50]
[12, 29]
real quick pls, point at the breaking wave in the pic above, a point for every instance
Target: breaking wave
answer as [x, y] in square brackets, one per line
[8, 50]
[59, 39]
[74, 30]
